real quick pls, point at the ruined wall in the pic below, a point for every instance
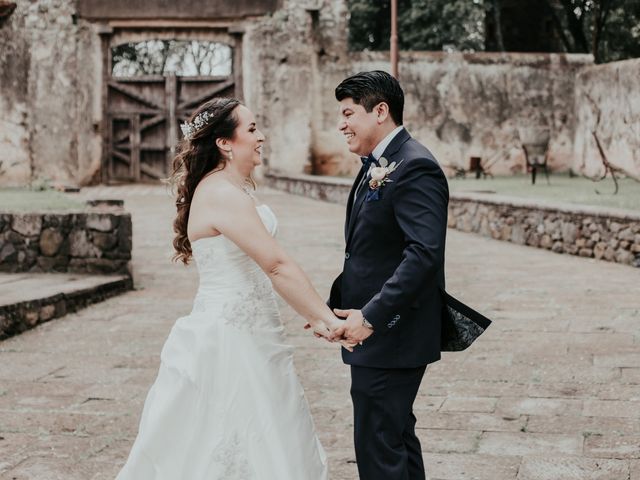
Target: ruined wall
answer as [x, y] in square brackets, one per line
[48, 89]
[284, 58]
[15, 167]
[463, 105]
[608, 103]
[459, 105]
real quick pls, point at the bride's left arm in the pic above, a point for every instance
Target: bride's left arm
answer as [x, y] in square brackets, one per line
[235, 216]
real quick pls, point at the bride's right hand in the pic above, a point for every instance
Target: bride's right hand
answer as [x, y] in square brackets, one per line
[322, 330]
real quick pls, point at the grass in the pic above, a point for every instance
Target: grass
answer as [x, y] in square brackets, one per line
[563, 188]
[25, 200]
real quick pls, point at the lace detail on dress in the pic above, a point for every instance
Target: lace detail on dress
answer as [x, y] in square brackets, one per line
[232, 457]
[246, 309]
[206, 256]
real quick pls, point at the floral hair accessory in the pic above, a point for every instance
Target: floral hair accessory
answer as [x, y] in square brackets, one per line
[189, 129]
[380, 177]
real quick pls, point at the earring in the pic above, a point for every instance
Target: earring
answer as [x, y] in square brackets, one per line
[230, 156]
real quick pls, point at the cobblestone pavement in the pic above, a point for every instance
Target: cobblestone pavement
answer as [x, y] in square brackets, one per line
[550, 392]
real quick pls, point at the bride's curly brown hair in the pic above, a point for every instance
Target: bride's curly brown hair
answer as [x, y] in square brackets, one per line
[198, 156]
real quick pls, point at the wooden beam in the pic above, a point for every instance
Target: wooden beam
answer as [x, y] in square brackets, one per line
[151, 172]
[122, 156]
[131, 93]
[171, 100]
[148, 123]
[134, 167]
[236, 66]
[207, 95]
[105, 122]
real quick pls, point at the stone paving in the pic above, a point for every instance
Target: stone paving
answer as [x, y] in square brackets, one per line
[550, 392]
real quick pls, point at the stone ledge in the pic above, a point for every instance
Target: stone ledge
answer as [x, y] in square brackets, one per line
[31, 299]
[588, 231]
[93, 240]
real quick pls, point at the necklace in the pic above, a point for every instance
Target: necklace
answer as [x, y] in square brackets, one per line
[233, 180]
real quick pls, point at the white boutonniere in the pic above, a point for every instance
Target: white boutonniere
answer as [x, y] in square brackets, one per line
[380, 177]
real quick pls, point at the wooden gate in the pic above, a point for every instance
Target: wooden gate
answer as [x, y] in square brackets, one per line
[142, 122]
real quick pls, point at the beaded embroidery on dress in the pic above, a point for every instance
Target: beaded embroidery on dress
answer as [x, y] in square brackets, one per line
[227, 404]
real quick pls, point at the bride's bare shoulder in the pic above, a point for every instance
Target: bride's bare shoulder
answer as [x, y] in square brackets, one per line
[216, 190]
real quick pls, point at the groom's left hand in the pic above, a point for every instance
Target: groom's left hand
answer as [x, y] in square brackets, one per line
[352, 329]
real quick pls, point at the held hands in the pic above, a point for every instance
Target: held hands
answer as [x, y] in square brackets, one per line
[324, 330]
[353, 329]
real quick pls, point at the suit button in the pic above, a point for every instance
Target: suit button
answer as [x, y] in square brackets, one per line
[396, 318]
[347, 255]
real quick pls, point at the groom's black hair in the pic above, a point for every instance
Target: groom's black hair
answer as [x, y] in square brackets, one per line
[371, 88]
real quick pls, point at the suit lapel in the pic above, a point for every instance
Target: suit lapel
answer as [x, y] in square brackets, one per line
[353, 210]
[356, 208]
[352, 193]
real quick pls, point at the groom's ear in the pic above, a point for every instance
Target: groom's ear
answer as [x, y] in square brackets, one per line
[382, 112]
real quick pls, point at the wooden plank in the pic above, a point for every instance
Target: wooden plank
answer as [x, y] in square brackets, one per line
[105, 122]
[110, 150]
[144, 147]
[146, 124]
[207, 95]
[126, 114]
[236, 66]
[122, 156]
[134, 167]
[159, 79]
[204, 79]
[152, 172]
[134, 95]
[171, 100]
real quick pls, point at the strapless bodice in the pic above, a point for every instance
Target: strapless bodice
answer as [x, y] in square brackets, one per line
[225, 269]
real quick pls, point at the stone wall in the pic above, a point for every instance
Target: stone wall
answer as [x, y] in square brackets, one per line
[608, 103]
[80, 242]
[284, 56]
[592, 232]
[459, 105]
[49, 66]
[463, 105]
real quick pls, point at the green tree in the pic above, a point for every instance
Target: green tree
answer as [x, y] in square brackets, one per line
[610, 29]
[422, 24]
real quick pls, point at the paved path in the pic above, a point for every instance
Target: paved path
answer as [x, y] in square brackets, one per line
[550, 392]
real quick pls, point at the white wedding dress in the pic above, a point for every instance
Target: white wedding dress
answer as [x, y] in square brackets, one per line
[227, 404]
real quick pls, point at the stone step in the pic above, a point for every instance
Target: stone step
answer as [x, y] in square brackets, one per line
[27, 299]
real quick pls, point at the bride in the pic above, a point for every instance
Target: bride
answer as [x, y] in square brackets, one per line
[227, 404]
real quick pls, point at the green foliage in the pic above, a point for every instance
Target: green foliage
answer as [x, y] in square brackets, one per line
[422, 24]
[610, 29]
[621, 37]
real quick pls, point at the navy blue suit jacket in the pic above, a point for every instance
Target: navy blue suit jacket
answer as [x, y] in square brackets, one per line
[394, 260]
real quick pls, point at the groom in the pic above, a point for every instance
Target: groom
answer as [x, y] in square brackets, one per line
[390, 288]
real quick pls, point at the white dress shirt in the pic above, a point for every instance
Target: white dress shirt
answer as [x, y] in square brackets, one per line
[381, 147]
[377, 153]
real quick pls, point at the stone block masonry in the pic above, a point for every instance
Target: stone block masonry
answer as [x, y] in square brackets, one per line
[592, 232]
[27, 300]
[97, 242]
